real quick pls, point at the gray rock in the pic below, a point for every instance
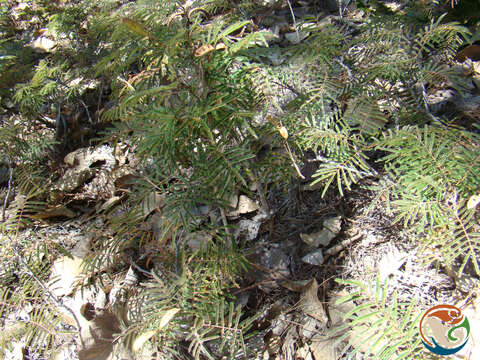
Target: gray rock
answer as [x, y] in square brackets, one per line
[247, 230]
[323, 237]
[314, 258]
[334, 224]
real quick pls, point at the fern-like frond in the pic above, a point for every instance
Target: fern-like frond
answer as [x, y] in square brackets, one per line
[457, 240]
[427, 163]
[379, 319]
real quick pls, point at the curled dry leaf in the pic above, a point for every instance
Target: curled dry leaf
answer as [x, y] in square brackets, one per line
[207, 48]
[143, 338]
[297, 286]
[204, 50]
[473, 201]
[283, 131]
[55, 211]
[99, 336]
[169, 314]
[323, 348]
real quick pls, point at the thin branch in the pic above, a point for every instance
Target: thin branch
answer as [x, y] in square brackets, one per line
[8, 191]
[294, 20]
[293, 160]
[86, 109]
[349, 71]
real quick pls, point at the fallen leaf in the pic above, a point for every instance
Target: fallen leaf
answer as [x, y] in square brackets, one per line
[207, 48]
[297, 286]
[471, 52]
[204, 50]
[337, 310]
[310, 304]
[169, 314]
[65, 274]
[142, 339]
[323, 348]
[283, 131]
[473, 201]
[98, 336]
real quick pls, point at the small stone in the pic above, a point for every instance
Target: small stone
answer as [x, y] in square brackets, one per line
[314, 258]
[245, 206]
[247, 230]
[441, 100]
[334, 224]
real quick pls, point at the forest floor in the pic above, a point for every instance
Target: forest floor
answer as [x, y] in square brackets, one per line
[297, 242]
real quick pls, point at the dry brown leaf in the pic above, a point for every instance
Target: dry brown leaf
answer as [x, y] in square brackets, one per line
[471, 52]
[207, 48]
[310, 304]
[323, 348]
[283, 131]
[204, 50]
[143, 338]
[296, 286]
[98, 337]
